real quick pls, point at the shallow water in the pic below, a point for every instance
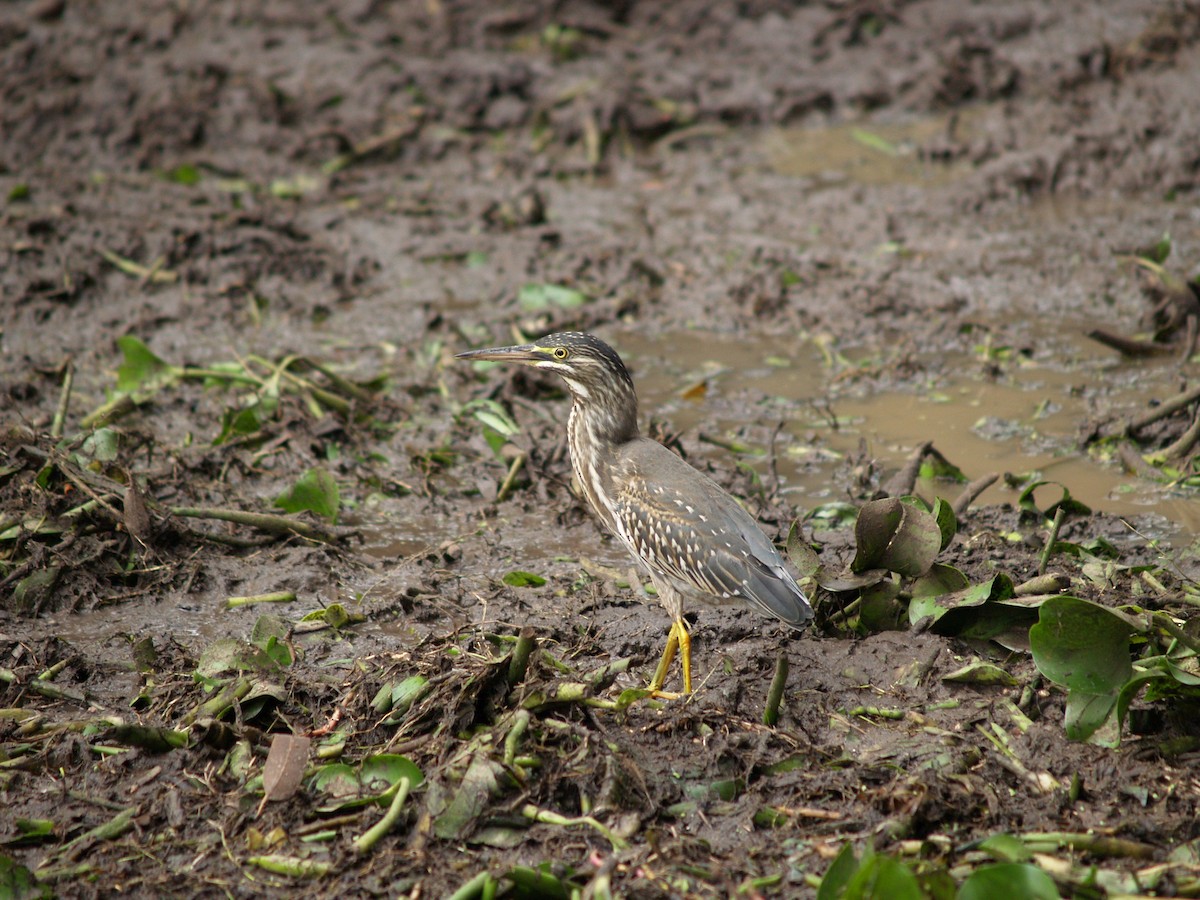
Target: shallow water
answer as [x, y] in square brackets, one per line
[1023, 422]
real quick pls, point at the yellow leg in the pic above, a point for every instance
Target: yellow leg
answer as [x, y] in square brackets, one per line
[664, 664]
[685, 654]
[678, 641]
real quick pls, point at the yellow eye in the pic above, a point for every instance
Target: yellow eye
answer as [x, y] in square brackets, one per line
[561, 352]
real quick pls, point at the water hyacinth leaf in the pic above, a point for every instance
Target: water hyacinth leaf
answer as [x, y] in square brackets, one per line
[409, 691]
[770, 817]
[336, 780]
[382, 771]
[231, 655]
[801, 554]
[1085, 715]
[1185, 669]
[269, 626]
[879, 609]
[980, 672]
[934, 465]
[1082, 645]
[278, 651]
[947, 522]
[262, 695]
[315, 491]
[18, 883]
[839, 873]
[727, 789]
[469, 800]
[539, 883]
[518, 578]
[1028, 502]
[843, 582]
[1008, 880]
[959, 605]
[238, 422]
[940, 579]
[882, 876]
[185, 174]
[103, 445]
[142, 369]
[334, 615]
[1005, 848]
[539, 297]
[897, 536]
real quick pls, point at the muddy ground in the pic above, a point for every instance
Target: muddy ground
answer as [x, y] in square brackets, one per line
[249, 189]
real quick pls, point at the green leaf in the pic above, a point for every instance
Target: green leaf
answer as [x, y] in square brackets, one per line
[538, 297]
[185, 174]
[315, 491]
[874, 141]
[1008, 880]
[1081, 645]
[801, 553]
[1086, 713]
[883, 878]
[1158, 251]
[518, 578]
[940, 579]
[963, 604]
[18, 883]
[239, 422]
[403, 695]
[879, 610]
[494, 416]
[382, 771]
[947, 522]
[833, 515]
[844, 867]
[142, 369]
[103, 445]
[1005, 848]
[539, 883]
[336, 780]
[470, 798]
[1084, 647]
[980, 672]
[231, 655]
[1028, 504]
[897, 536]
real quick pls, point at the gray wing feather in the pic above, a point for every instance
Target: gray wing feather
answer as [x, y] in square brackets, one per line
[703, 540]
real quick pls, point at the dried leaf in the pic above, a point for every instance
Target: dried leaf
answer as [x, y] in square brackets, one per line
[285, 765]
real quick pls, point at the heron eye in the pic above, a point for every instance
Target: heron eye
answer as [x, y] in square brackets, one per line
[561, 352]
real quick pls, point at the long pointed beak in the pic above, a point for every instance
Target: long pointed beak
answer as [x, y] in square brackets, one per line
[523, 353]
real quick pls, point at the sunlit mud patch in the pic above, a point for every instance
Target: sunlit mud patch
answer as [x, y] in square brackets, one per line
[868, 152]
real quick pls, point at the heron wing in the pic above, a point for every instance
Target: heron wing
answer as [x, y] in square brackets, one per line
[685, 526]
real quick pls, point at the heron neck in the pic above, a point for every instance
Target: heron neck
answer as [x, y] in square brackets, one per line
[594, 436]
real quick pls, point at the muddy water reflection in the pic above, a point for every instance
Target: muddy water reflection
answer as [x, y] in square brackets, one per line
[1025, 421]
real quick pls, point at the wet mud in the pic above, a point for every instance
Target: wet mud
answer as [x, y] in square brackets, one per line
[807, 227]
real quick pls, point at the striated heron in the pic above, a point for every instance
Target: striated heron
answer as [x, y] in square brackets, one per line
[680, 525]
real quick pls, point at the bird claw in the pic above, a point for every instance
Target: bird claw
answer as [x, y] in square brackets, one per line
[654, 693]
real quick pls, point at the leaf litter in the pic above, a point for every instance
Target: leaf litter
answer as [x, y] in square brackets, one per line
[996, 695]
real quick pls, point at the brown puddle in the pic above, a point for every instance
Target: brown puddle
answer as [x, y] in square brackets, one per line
[868, 152]
[1025, 422]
